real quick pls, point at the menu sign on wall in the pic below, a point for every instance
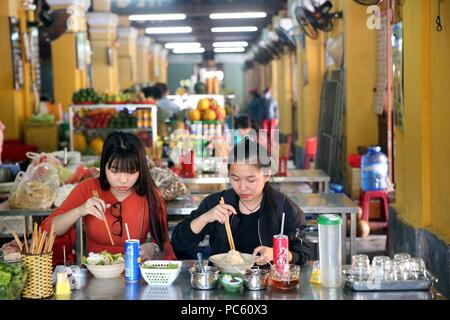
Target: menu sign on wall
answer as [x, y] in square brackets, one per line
[16, 53]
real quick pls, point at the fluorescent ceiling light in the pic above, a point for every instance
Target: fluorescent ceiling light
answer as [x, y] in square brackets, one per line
[230, 44]
[188, 50]
[234, 29]
[175, 45]
[168, 30]
[234, 49]
[157, 17]
[238, 15]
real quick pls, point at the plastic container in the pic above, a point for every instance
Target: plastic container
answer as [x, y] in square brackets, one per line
[330, 253]
[374, 170]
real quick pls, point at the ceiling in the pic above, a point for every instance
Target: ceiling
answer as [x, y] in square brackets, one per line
[197, 12]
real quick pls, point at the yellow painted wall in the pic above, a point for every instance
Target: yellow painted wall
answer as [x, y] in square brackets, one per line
[423, 147]
[104, 76]
[284, 99]
[360, 73]
[11, 101]
[66, 77]
[310, 63]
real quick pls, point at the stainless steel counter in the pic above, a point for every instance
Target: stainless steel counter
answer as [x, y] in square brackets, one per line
[118, 289]
[294, 176]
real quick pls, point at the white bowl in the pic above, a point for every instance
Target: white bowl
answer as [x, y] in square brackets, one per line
[232, 268]
[159, 276]
[106, 271]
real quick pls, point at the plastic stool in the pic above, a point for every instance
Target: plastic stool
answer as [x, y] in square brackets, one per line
[311, 150]
[364, 202]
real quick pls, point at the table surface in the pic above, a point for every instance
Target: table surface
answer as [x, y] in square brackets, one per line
[296, 175]
[118, 289]
[309, 203]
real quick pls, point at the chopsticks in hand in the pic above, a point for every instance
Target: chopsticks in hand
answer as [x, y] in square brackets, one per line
[228, 229]
[95, 194]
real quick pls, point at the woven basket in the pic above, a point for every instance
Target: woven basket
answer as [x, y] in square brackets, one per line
[39, 283]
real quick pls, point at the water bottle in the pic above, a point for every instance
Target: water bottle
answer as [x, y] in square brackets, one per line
[330, 250]
[374, 170]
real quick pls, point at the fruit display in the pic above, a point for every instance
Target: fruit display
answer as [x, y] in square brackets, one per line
[91, 124]
[85, 96]
[207, 109]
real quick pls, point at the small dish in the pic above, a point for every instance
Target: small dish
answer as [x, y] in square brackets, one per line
[231, 283]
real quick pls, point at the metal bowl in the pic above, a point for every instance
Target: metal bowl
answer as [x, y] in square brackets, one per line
[256, 279]
[204, 280]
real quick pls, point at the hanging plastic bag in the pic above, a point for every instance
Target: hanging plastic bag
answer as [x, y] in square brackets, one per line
[36, 188]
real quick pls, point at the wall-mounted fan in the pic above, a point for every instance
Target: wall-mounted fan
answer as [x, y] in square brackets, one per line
[306, 26]
[313, 16]
[285, 38]
[54, 24]
[368, 2]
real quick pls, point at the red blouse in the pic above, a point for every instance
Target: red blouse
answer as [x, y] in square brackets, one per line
[97, 239]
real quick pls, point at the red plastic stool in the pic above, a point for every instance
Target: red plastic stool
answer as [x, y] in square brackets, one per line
[311, 150]
[364, 202]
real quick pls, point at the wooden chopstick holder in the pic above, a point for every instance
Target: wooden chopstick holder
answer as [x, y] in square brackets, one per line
[95, 194]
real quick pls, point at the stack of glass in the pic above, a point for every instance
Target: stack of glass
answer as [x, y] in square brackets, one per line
[383, 268]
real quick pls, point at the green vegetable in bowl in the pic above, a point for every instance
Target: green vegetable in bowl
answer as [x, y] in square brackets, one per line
[12, 280]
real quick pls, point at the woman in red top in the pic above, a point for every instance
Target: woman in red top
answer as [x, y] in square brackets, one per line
[123, 193]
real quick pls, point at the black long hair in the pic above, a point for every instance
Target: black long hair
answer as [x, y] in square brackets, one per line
[124, 152]
[253, 153]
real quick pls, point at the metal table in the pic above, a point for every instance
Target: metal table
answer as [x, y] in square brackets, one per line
[118, 289]
[337, 203]
[313, 203]
[316, 176]
[5, 211]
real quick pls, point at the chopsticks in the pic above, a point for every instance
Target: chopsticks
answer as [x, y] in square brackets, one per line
[95, 194]
[41, 242]
[228, 229]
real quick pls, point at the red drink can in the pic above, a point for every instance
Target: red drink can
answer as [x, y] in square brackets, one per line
[280, 250]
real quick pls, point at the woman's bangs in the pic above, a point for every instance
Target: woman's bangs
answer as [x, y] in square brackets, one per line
[124, 162]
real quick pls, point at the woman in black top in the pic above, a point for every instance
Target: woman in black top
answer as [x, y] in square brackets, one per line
[254, 209]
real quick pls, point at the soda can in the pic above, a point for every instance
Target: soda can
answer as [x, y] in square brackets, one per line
[280, 250]
[132, 290]
[132, 259]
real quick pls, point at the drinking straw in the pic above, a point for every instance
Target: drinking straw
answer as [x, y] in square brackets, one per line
[282, 224]
[64, 253]
[128, 232]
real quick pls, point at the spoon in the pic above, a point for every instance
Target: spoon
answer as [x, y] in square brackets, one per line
[200, 262]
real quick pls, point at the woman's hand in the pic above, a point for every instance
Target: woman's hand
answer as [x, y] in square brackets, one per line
[219, 213]
[148, 251]
[264, 254]
[94, 206]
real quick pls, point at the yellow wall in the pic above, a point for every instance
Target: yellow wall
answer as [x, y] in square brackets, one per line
[360, 74]
[12, 105]
[285, 93]
[423, 147]
[104, 76]
[66, 77]
[309, 95]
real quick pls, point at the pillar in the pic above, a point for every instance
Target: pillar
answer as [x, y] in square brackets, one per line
[127, 61]
[102, 29]
[70, 52]
[143, 58]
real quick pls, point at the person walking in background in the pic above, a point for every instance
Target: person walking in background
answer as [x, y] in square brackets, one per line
[255, 107]
[270, 113]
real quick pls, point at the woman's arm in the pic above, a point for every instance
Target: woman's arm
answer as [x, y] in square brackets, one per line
[299, 246]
